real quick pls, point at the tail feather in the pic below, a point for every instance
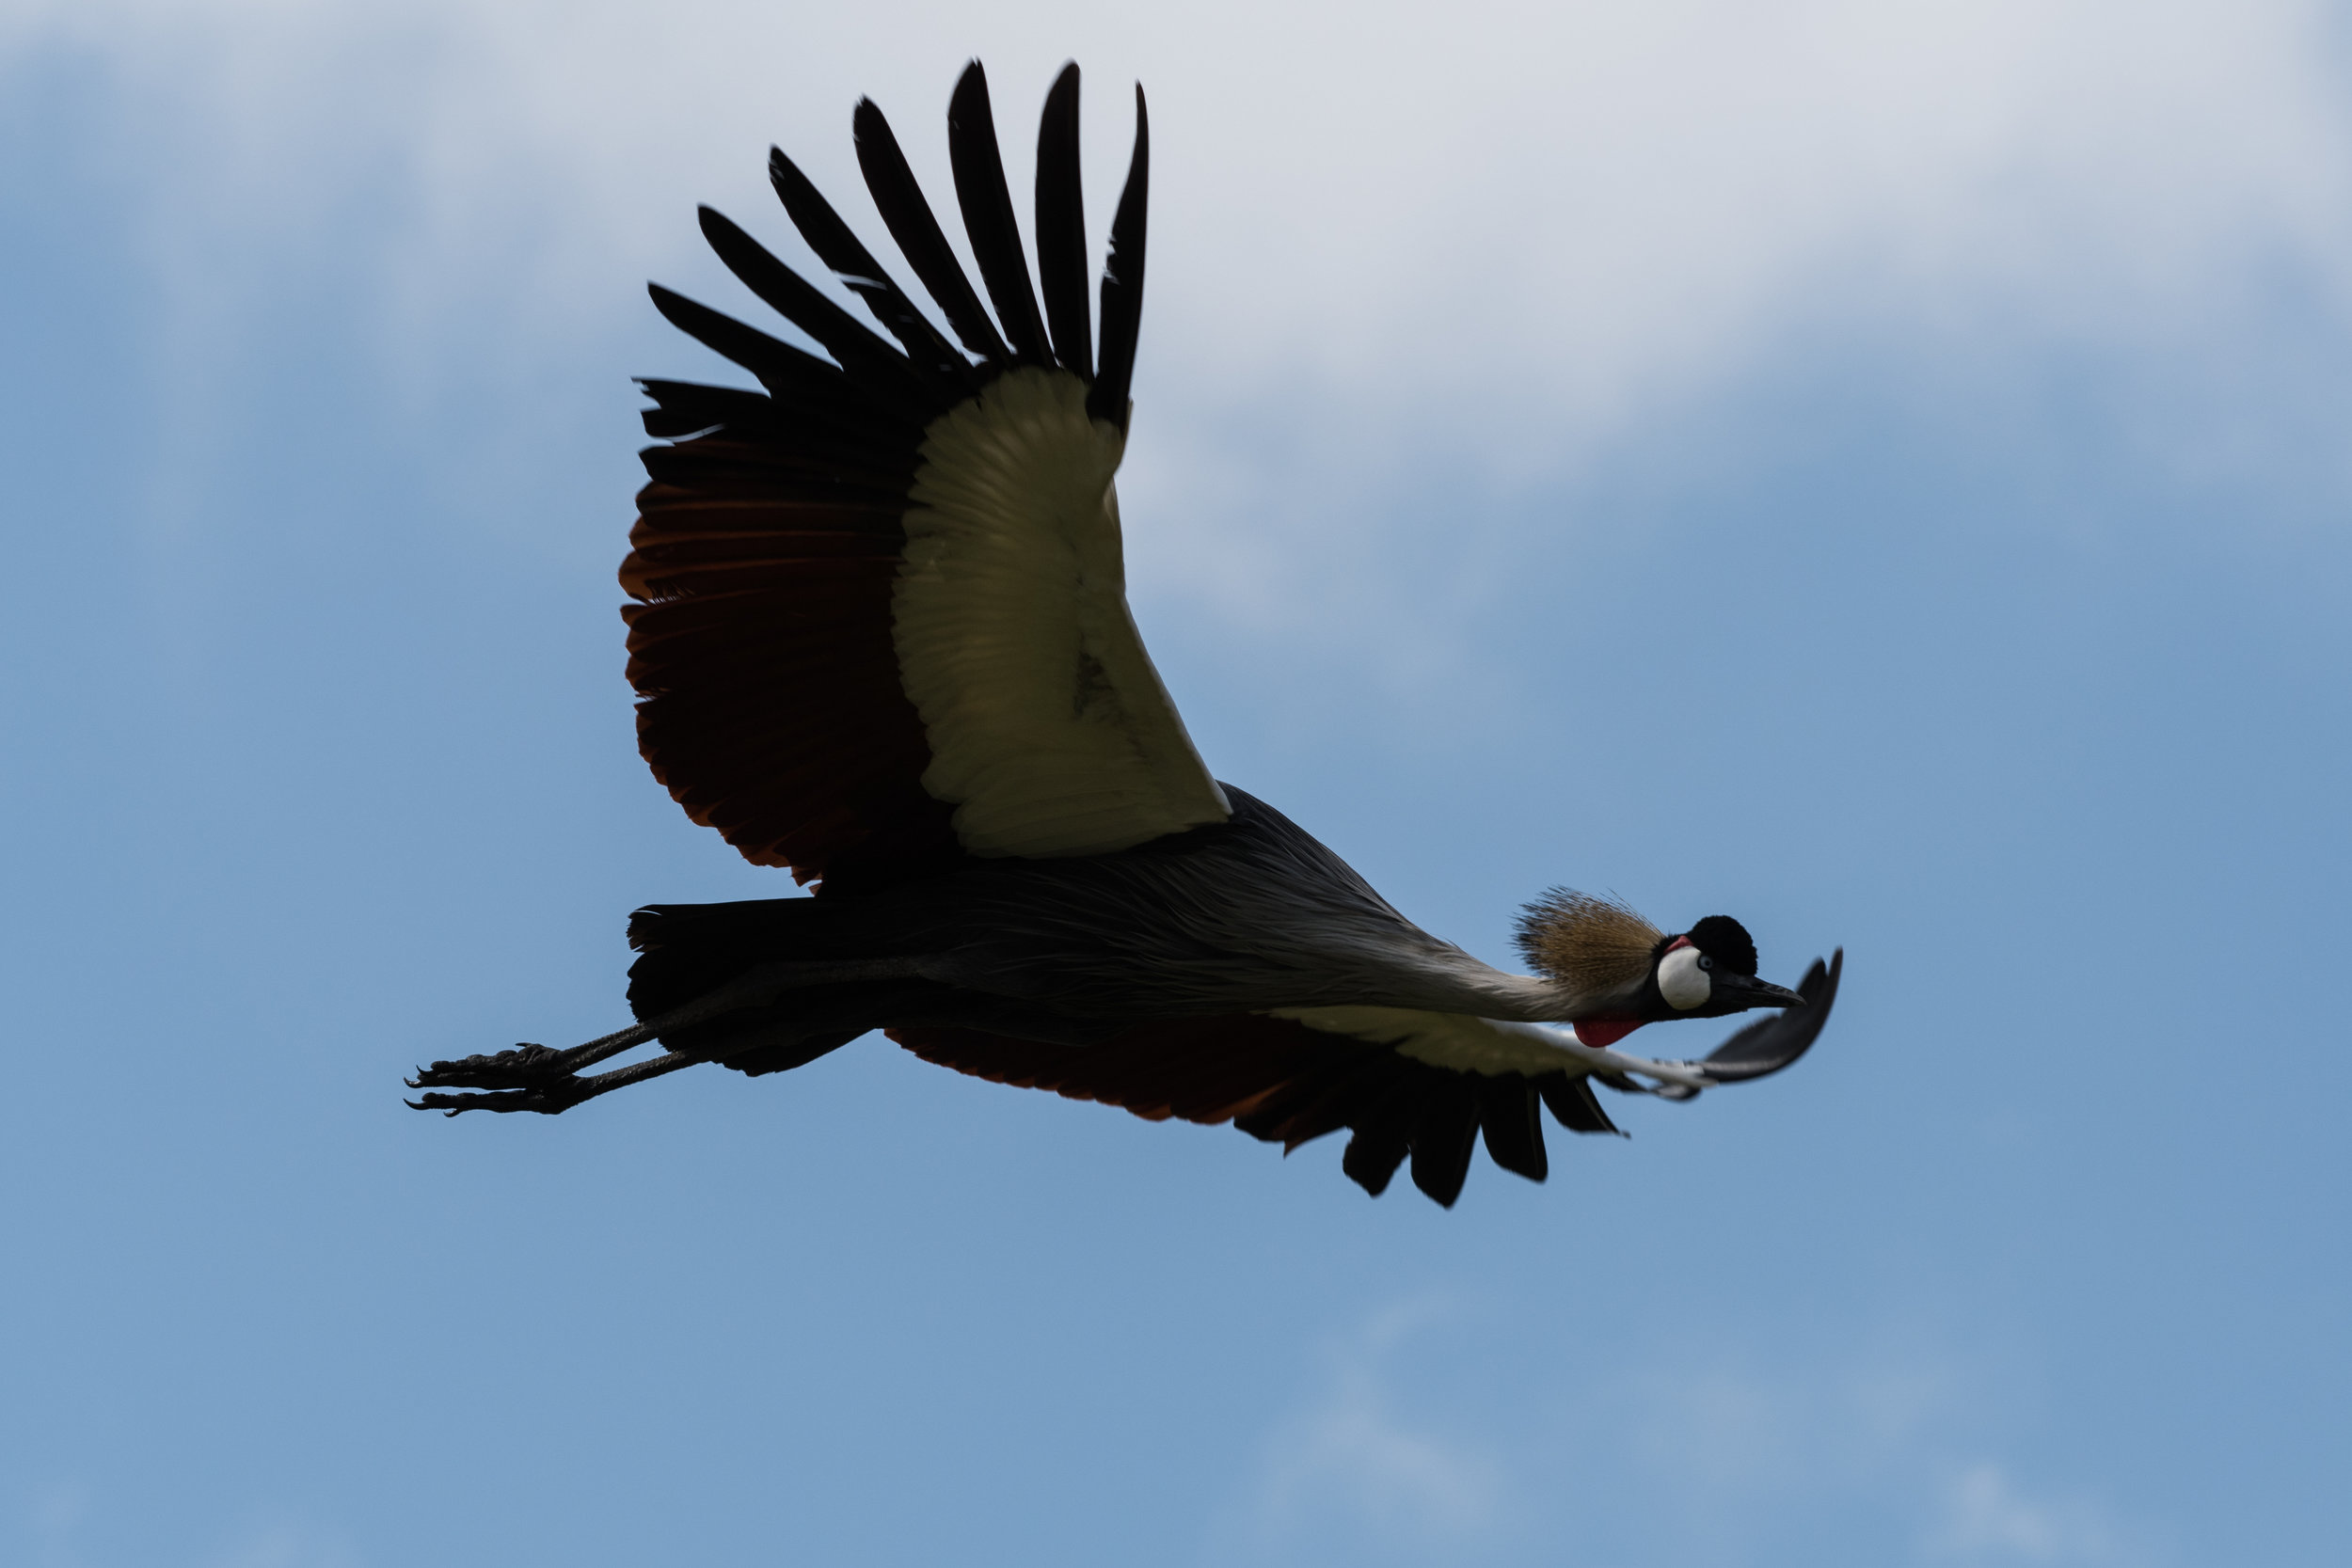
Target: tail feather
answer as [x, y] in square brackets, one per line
[689, 950]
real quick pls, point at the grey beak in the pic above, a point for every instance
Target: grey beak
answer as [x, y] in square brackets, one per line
[1746, 991]
[1770, 1044]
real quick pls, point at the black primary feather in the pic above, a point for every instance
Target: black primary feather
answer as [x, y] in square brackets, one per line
[841, 251]
[1444, 1139]
[1573, 1104]
[988, 220]
[870, 364]
[1314, 1109]
[1062, 228]
[1123, 283]
[1383, 1134]
[909, 218]
[1372, 1155]
[684, 410]
[790, 373]
[1514, 1129]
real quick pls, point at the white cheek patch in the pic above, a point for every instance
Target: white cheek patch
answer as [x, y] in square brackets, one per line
[1681, 981]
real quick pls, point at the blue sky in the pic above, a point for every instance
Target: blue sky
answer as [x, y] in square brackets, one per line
[1876, 470]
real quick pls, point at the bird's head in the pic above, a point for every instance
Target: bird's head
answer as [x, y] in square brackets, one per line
[1621, 971]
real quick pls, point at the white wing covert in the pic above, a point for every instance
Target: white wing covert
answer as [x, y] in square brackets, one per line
[1051, 733]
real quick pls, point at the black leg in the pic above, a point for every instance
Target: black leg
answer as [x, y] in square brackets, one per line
[759, 987]
[538, 1078]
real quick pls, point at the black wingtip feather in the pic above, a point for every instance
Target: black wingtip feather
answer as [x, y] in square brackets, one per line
[779, 366]
[873, 365]
[1122, 282]
[1444, 1141]
[988, 220]
[1372, 1158]
[916, 231]
[854, 266]
[1061, 227]
[1515, 1132]
[683, 409]
[1573, 1104]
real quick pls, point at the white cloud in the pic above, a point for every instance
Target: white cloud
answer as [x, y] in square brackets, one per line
[1987, 1519]
[1492, 235]
[1354, 1466]
[1641, 1447]
[1735, 1430]
[1512, 219]
[285, 1544]
[1886, 1433]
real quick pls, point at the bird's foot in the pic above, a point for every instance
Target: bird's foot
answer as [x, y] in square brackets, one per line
[523, 1067]
[534, 1078]
[528, 1077]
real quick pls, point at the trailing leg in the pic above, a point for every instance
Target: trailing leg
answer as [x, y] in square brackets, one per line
[537, 1078]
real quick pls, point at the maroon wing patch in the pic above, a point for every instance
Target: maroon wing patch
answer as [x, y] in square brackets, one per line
[761, 648]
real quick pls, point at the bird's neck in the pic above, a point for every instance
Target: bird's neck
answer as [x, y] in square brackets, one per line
[1463, 985]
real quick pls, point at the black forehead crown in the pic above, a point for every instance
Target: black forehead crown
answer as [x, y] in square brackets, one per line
[1725, 940]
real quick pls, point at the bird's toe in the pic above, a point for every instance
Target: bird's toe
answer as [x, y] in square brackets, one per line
[526, 1066]
[551, 1100]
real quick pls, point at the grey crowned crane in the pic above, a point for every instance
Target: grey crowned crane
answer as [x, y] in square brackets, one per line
[881, 639]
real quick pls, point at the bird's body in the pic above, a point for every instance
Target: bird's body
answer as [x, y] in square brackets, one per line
[1247, 915]
[882, 641]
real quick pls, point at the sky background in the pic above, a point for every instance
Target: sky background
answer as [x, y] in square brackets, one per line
[1879, 470]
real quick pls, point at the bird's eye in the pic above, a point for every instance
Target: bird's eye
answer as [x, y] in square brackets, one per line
[1706, 962]
[1682, 980]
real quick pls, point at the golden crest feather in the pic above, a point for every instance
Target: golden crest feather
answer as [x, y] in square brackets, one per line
[1595, 944]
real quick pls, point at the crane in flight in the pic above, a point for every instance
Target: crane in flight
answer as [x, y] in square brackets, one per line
[880, 639]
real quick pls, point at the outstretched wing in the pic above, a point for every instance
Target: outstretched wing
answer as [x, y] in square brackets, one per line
[882, 617]
[1406, 1082]
[1286, 1081]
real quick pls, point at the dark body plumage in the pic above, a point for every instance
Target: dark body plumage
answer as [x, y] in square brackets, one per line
[1247, 915]
[881, 639]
